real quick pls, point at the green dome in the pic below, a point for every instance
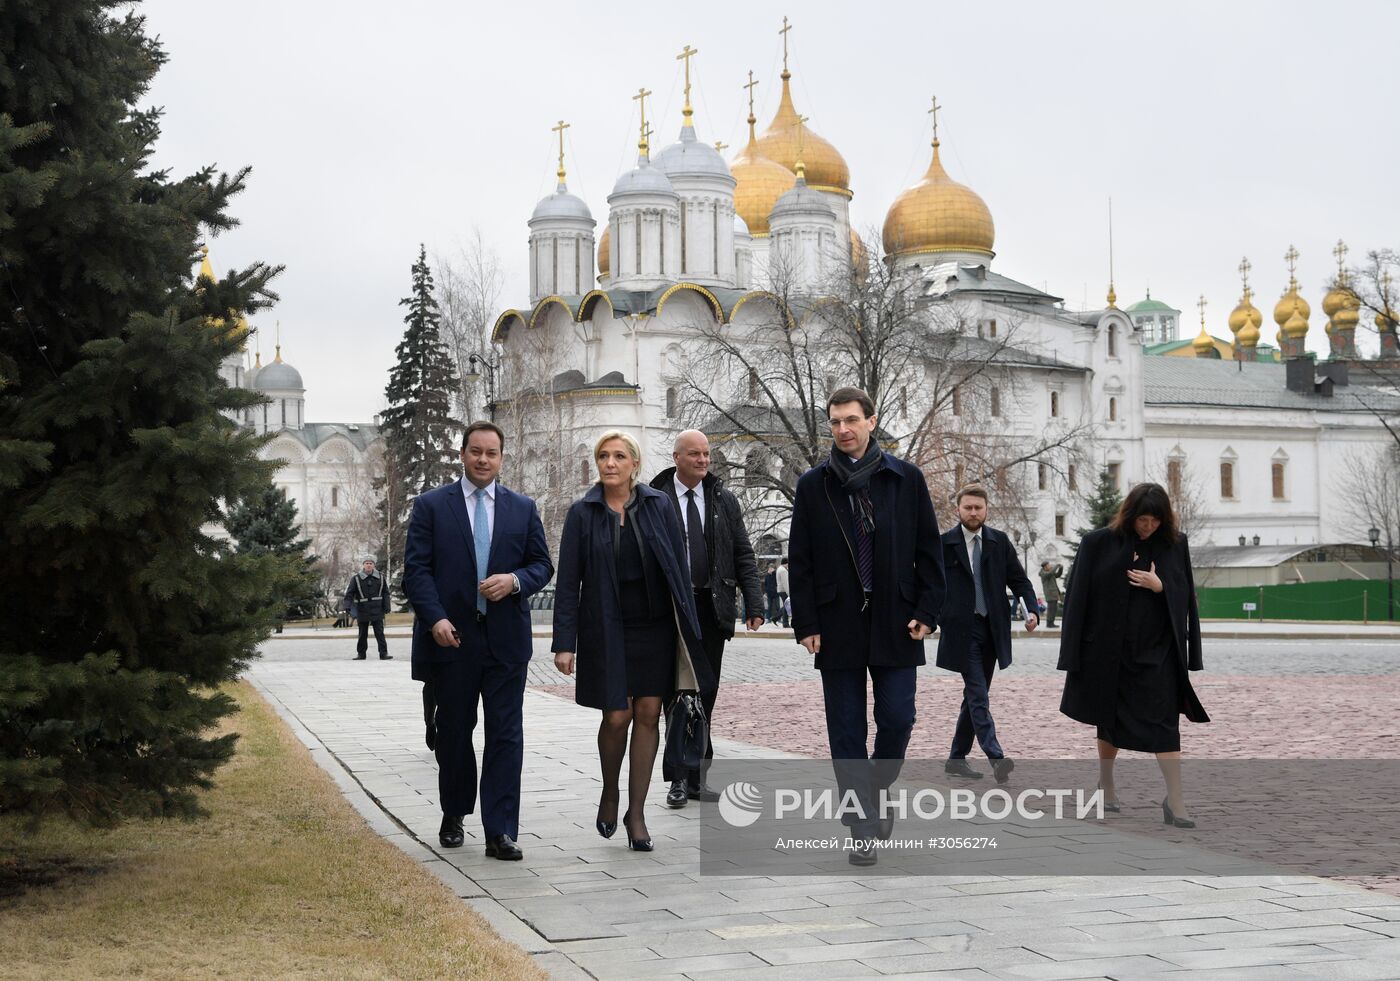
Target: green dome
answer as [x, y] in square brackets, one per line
[1150, 305]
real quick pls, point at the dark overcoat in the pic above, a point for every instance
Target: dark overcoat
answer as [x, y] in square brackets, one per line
[1094, 625]
[588, 610]
[733, 568]
[824, 582]
[440, 576]
[375, 602]
[1001, 570]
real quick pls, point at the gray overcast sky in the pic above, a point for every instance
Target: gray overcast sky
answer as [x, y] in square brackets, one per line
[1219, 129]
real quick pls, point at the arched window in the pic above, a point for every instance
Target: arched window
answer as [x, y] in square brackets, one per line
[1115, 474]
[1043, 476]
[335, 497]
[1174, 477]
[672, 402]
[1113, 340]
[1054, 404]
[585, 472]
[1227, 479]
[1112, 408]
[1072, 473]
[957, 402]
[996, 401]
[1277, 474]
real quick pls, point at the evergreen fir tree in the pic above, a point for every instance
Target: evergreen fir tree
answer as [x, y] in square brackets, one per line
[417, 424]
[267, 523]
[1103, 505]
[116, 444]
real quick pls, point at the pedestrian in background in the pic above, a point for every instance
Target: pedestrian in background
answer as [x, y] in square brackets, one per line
[367, 599]
[1050, 588]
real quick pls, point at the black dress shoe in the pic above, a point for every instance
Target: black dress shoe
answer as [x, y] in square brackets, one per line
[885, 828]
[702, 793]
[504, 848]
[386, 657]
[1001, 768]
[358, 657]
[960, 768]
[677, 796]
[863, 853]
[450, 834]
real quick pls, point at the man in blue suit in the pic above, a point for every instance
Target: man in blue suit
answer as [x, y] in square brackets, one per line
[975, 629]
[475, 554]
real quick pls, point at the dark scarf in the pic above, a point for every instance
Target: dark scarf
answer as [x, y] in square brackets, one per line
[855, 479]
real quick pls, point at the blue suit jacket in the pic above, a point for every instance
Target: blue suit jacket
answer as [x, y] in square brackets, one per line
[440, 576]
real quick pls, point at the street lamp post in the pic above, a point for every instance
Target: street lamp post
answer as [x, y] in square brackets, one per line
[1375, 536]
[477, 365]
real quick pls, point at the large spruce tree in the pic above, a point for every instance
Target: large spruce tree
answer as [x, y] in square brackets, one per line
[417, 424]
[121, 611]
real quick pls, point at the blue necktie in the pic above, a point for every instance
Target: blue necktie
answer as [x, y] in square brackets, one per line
[979, 597]
[481, 535]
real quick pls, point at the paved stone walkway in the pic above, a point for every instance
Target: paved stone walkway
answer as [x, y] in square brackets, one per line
[585, 907]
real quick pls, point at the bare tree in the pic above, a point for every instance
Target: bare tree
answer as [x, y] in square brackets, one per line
[1187, 488]
[944, 391]
[1369, 480]
[469, 285]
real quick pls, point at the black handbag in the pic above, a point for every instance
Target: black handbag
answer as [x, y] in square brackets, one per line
[687, 732]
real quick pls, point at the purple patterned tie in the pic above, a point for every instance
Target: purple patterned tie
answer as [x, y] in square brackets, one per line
[865, 551]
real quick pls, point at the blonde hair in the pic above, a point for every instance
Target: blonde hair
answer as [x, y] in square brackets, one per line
[634, 450]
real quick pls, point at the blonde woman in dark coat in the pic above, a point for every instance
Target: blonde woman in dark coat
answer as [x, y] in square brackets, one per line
[1131, 633]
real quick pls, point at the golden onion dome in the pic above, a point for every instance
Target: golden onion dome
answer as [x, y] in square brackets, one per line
[1349, 315]
[759, 183]
[1204, 342]
[1239, 316]
[1334, 301]
[826, 168]
[1384, 320]
[938, 215]
[1296, 325]
[605, 252]
[1287, 303]
[1248, 335]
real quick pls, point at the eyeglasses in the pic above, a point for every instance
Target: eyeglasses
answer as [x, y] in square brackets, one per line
[847, 421]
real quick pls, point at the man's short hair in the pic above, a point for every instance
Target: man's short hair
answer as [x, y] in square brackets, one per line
[971, 490]
[851, 394]
[482, 425]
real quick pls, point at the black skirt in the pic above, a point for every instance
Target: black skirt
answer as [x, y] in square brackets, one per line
[1147, 713]
[650, 647]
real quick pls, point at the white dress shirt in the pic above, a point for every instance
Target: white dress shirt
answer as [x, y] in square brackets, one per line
[968, 536]
[469, 489]
[681, 492]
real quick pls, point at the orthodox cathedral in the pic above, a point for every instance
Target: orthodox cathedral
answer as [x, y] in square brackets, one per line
[692, 243]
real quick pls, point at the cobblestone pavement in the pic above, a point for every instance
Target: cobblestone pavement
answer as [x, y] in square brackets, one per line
[585, 907]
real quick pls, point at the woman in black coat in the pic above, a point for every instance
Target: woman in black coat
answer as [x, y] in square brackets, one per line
[624, 616]
[1130, 634]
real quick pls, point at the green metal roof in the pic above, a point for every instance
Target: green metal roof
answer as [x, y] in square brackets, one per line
[1150, 305]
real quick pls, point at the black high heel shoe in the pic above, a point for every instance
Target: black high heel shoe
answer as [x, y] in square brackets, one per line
[1169, 818]
[605, 828]
[635, 844]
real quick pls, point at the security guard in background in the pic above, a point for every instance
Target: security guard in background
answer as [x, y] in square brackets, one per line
[367, 598]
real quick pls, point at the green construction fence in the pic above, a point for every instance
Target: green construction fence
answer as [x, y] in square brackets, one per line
[1363, 600]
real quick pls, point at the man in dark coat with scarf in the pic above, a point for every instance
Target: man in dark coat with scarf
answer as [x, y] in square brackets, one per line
[867, 588]
[721, 563]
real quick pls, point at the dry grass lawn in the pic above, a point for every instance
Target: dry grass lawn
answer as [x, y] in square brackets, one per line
[283, 880]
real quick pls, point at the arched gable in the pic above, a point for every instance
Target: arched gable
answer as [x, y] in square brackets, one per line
[713, 301]
[544, 304]
[503, 324]
[590, 301]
